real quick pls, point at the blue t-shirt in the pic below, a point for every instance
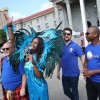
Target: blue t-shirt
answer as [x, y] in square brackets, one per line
[93, 55]
[69, 59]
[10, 79]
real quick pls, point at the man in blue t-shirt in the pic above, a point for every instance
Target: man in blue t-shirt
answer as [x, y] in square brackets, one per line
[92, 64]
[13, 77]
[69, 63]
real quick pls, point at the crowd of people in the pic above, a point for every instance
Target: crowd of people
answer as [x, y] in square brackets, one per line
[26, 81]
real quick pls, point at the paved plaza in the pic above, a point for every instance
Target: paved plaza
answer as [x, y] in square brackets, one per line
[55, 87]
[56, 91]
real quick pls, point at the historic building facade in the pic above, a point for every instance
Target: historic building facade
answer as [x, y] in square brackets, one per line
[2, 19]
[40, 21]
[79, 13]
[73, 13]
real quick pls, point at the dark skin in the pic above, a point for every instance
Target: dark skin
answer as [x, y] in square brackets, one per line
[34, 44]
[37, 72]
[93, 37]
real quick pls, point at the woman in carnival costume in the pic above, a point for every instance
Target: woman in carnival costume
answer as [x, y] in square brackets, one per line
[37, 85]
[44, 55]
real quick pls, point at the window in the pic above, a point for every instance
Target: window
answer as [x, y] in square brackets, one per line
[53, 15]
[21, 25]
[37, 20]
[39, 28]
[46, 25]
[98, 23]
[30, 22]
[89, 24]
[15, 26]
[55, 24]
[24, 25]
[18, 26]
[45, 18]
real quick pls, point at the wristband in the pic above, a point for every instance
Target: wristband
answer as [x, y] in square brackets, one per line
[33, 62]
[9, 25]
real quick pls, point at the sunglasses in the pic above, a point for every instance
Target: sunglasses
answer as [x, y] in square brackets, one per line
[87, 33]
[67, 33]
[6, 48]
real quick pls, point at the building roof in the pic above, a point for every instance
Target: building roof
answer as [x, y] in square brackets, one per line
[34, 15]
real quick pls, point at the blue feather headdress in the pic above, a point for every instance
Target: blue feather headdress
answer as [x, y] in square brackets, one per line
[53, 43]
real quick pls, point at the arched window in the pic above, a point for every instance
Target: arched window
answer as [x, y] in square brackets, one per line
[89, 24]
[98, 23]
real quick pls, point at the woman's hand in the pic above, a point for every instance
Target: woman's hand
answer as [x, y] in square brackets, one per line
[8, 19]
[30, 58]
[37, 72]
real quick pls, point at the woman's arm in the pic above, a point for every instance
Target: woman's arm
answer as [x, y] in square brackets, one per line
[37, 72]
[9, 24]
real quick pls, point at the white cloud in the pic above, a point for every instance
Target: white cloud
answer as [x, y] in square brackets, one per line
[46, 6]
[16, 15]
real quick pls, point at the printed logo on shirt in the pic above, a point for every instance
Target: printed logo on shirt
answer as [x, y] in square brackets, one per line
[71, 49]
[90, 55]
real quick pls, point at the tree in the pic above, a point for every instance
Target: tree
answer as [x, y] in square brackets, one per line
[3, 37]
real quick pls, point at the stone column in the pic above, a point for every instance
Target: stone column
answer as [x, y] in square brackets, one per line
[56, 13]
[84, 21]
[98, 9]
[69, 13]
[65, 17]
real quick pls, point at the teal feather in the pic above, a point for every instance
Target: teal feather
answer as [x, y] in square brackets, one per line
[53, 43]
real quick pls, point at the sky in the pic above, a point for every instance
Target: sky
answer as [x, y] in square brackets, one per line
[23, 8]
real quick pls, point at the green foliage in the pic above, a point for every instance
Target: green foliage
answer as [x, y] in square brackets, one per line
[3, 37]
